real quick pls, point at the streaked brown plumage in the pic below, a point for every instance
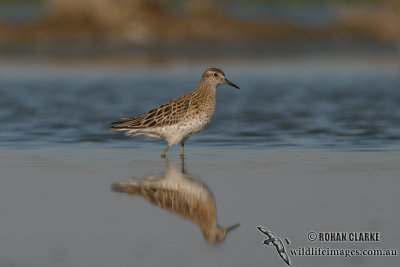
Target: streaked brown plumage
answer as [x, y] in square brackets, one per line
[179, 193]
[176, 120]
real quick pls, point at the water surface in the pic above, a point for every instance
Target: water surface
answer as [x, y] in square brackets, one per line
[58, 209]
[340, 105]
[304, 145]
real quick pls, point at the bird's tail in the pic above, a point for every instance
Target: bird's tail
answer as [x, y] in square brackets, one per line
[127, 188]
[126, 124]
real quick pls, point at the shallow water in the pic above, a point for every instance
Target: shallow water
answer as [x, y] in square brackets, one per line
[302, 146]
[58, 209]
[318, 105]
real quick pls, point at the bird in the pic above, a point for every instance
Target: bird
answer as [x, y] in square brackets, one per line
[178, 119]
[181, 194]
[274, 240]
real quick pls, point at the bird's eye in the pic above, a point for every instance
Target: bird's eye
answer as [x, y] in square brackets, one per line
[215, 74]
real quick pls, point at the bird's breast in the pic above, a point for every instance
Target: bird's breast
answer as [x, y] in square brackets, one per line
[196, 122]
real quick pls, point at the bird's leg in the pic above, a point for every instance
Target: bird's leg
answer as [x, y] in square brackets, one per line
[182, 164]
[165, 151]
[182, 148]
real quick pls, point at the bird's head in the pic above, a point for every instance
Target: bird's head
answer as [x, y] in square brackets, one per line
[218, 234]
[216, 77]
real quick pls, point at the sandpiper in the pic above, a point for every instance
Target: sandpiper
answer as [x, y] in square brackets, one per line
[181, 194]
[176, 120]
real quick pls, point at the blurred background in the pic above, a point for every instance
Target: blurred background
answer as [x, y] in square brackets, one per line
[180, 28]
[319, 73]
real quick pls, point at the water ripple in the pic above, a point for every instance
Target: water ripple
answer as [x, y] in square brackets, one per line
[270, 110]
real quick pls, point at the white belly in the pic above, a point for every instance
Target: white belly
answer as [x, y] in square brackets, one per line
[175, 134]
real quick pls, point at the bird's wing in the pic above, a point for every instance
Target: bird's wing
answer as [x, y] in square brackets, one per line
[265, 231]
[188, 205]
[164, 115]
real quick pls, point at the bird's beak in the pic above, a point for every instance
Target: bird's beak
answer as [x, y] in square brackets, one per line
[230, 228]
[231, 83]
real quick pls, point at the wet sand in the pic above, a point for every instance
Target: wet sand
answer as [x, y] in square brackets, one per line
[57, 207]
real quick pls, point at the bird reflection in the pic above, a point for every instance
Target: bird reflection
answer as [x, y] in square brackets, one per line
[179, 193]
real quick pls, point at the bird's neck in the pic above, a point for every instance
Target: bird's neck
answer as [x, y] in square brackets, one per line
[205, 89]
